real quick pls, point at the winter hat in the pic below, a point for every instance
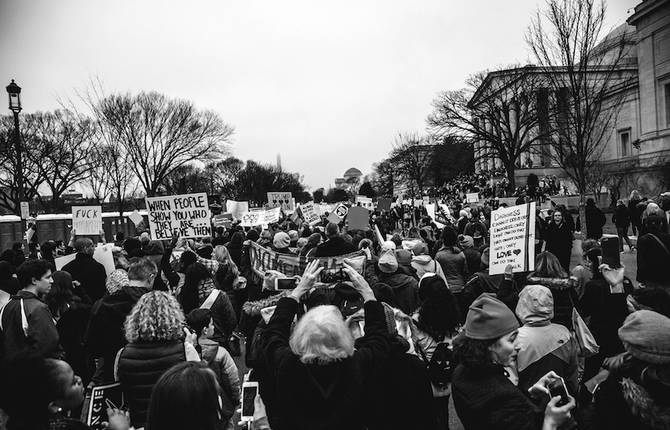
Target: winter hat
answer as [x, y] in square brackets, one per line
[155, 247]
[485, 257]
[610, 250]
[281, 240]
[388, 262]
[420, 248]
[387, 246]
[535, 306]
[404, 257]
[489, 319]
[293, 235]
[465, 241]
[301, 243]
[253, 235]
[463, 214]
[646, 336]
[116, 280]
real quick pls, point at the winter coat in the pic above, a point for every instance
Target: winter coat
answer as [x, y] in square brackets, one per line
[485, 399]
[621, 217]
[405, 288]
[652, 260]
[329, 396]
[90, 274]
[223, 316]
[105, 334]
[474, 259]
[424, 264]
[333, 247]
[622, 403]
[595, 220]
[504, 289]
[223, 365]
[559, 242]
[565, 296]
[454, 266]
[140, 365]
[36, 334]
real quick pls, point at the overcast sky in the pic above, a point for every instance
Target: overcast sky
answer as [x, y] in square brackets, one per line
[325, 84]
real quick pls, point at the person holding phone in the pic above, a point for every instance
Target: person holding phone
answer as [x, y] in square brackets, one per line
[320, 378]
[484, 397]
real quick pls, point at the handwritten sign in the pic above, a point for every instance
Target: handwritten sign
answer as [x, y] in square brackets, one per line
[271, 215]
[87, 219]
[186, 215]
[512, 239]
[282, 199]
[253, 218]
[310, 213]
[472, 197]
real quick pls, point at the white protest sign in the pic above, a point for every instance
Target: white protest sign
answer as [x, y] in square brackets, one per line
[25, 210]
[472, 197]
[59, 262]
[341, 211]
[311, 213]
[135, 217]
[512, 239]
[237, 209]
[186, 215]
[271, 215]
[281, 199]
[365, 202]
[253, 218]
[87, 219]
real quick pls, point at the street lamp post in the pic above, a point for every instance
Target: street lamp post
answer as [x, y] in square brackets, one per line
[14, 92]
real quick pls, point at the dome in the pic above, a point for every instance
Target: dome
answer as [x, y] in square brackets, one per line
[352, 173]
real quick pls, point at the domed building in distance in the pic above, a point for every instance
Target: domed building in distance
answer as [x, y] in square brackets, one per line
[351, 175]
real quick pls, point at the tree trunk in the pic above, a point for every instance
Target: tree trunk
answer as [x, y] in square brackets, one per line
[582, 213]
[510, 177]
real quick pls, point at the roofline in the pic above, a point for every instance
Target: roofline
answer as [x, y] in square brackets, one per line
[643, 9]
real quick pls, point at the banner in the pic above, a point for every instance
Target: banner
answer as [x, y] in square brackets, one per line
[512, 238]
[186, 215]
[223, 220]
[310, 213]
[282, 199]
[472, 197]
[264, 259]
[87, 220]
[237, 209]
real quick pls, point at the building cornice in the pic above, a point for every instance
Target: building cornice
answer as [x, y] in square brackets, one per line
[644, 9]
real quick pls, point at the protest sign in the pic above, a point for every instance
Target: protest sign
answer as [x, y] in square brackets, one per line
[94, 411]
[223, 220]
[334, 218]
[271, 215]
[103, 255]
[472, 197]
[512, 238]
[310, 213]
[358, 218]
[25, 210]
[186, 215]
[87, 220]
[384, 204]
[59, 262]
[135, 217]
[237, 209]
[365, 202]
[253, 218]
[282, 199]
[341, 210]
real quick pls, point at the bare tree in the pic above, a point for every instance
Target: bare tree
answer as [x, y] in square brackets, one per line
[411, 156]
[587, 75]
[66, 141]
[497, 111]
[111, 175]
[159, 134]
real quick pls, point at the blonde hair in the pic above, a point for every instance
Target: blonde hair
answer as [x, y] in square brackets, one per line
[322, 337]
[222, 255]
[157, 316]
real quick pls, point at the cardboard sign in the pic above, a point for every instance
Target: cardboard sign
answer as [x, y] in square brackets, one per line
[282, 199]
[87, 220]
[223, 220]
[237, 209]
[310, 213]
[94, 411]
[272, 215]
[384, 204]
[512, 238]
[358, 218]
[135, 217]
[472, 197]
[187, 215]
[365, 202]
[25, 210]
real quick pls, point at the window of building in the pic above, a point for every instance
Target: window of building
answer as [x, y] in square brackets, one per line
[624, 143]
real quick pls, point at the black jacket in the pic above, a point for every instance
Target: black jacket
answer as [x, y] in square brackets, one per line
[485, 399]
[595, 220]
[330, 396]
[653, 260]
[90, 274]
[621, 216]
[333, 247]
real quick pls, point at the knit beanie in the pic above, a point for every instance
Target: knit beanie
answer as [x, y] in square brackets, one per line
[281, 240]
[404, 257]
[388, 262]
[489, 319]
[465, 241]
[646, 336]
[253, 235]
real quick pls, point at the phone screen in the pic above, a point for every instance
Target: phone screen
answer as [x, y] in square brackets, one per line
[285, 284]
[557, 388]
[248, 395]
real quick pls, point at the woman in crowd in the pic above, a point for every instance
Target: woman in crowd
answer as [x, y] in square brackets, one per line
[621, 219]
[558, 235]
[423, 263]
[550, 273]
[585, 271]
[312, 242]
[452, 260]
[437, 323]
[320, 377]
[635, 214]
[155, 334]
[653, 251]
[235, 247]
[484, 397]
[543, 346]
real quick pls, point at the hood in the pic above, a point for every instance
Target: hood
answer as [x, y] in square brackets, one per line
[551, 283]
[644, 407]
[422, 260]
[397, 280]
[535, 306]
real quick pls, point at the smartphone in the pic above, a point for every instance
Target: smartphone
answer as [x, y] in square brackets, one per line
[557, 388]
[249, 391]
[285, 283]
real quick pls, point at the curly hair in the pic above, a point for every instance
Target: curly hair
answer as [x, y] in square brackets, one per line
[157, 316]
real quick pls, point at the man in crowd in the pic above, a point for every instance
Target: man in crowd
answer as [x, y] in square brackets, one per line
[84, 269]
[335, 245]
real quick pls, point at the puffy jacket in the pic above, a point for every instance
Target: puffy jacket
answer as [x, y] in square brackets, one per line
[140, 365]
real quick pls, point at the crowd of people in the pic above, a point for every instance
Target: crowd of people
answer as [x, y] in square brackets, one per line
[494, 183]
[421, 324]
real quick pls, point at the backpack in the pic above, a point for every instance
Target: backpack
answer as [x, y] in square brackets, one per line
[440, 365]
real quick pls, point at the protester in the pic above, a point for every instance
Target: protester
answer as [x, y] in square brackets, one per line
[85, 270]
[422, 263]
[635, 214]
[401, 279]
[9, 284]
[584, 272]
[335, 245]
[550, 273]
[595, 220]
[559, 238]
[472, 254]
[452, 260]
[621, 219]
[653, 252]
